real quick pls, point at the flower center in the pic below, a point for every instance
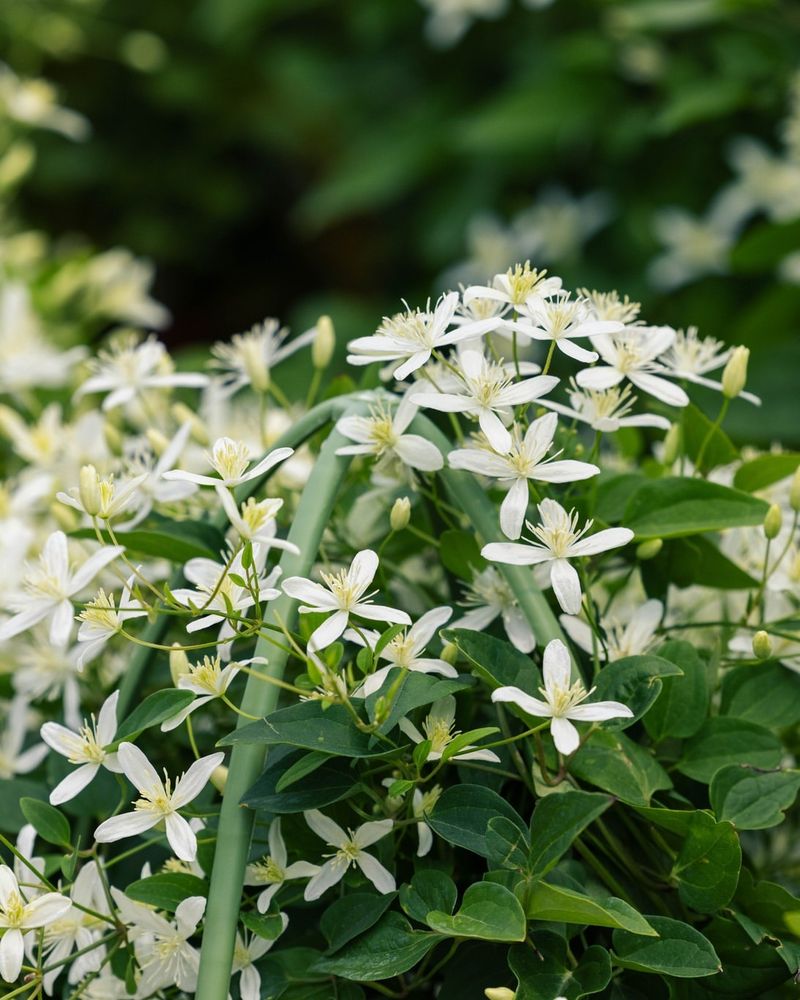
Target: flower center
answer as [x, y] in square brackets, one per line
[342, 588]
[101, 612]
[230, 459]
[522, 281]
[14, 910]
[439, 732]
[268, 871]
[561, 700]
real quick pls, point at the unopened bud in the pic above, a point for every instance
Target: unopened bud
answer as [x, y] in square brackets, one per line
[324, 343]
[649, 549]
[401, 514]
[218, 778]
[794, 492]
[89, 490]
[734, 376]
[113, 438]
[450, 653]
[157, 441]
[773, 521]
[65, 517]
[184, 415]
[499, 993]
[762, 645]
[178, 664]
[672, 444]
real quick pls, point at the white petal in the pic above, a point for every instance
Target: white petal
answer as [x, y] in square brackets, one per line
[418, 453]
[567, 471]
[518, 630]
[599, 711]
[181, 837]
[516, 553]
[61, 624]
[329, 631]
[381, 613]
[189, 913]
[566, 586]
[533, 706]
[325, 828]
[189, 785]
[328, 875]
[579, 631]
[12, 952]
[382, 879]
[556, 667]
[310, 593]
[565, 736]
[73, 784]
[62, 740]
[107, 720]
[125, 825]
[666, 391]
[369, 833]
[609, 538]
[363, 569]
[45, 909]
[598, 378]
[137, 768]
[572, 350]
[513, 508]
[494, 429]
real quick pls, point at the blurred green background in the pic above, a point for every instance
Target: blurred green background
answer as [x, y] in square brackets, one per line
[286, 157]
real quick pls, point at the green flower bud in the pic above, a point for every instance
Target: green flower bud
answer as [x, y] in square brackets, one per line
[762, 645]
[219, 777]
[450, 653]
[401, 514]
[773, 521]
[649, 549]
[673, 442]
[157, 441]
[178, 664]
[499, 993]
[113, 437]
[324, 343]
[89, 490]
[734, 376]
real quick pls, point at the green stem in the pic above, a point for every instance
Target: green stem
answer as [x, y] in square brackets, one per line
[247, 759]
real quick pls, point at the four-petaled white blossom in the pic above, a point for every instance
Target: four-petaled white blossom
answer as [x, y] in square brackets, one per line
[272, 871]
[632, 354]
[208, 679]
[101, 619]
[489, 393]
[349, 851]
[18, 915]
[160, 802]
[247, 950]
[344, 595]
[622, 638]
[524, 461]
[519, 286]
[605, 409]
[563, 320]
[250, 357]
[383, 435]
[489, 597]
[84, 749]
[438, 728]
[692, 356]
[562, 702]
[231, 461]
[559, 540]
[255, 521]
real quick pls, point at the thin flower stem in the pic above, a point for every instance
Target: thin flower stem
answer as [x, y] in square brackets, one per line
[698, 462]
[549, 358]
[190, 734]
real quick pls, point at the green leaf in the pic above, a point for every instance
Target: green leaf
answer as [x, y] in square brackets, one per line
[265, 925]
[557, 821]
[545, 970]
[679, 950]
[618, 765]
[766, 693]
[770, 905]
[635, 681]
[388, 949]
[507, 846]
[178, 541]
[557, 903]
[470, 738]
[330, 781]
[699, 432]
[681, 708]
[152, 711]
[675, 506]
[488, 912]
[462, 815]
[416, 689]
[167, 889]
[766, 470]
[351, 915]
[752, 799]
[748, 969]
[312, 727]
[495, 661]
[707, 867]
[613, 494]
[460, 553]
[50, 824]
[686, 562]
[429, 890]
[12, 791]
[723, 741]
[306, 765]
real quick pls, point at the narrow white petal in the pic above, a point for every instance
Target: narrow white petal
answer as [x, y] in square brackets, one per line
[533, 706]
[12, 951]
[189, 785]
[513, 508]
[125, 825]
[181, 837]
[325, 828]
[382, 879]
[329, 874]
[73, 784]
[566, 586]
[565, 736]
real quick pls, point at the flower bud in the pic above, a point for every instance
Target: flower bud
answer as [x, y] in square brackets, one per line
[182, 413]
[113, 438]
[773, 521]
[673, 440]
[794, 492]
[735, 374]
[401, 514]
[178, 663]
[89, 490]
[65, 517]
[649, 549]
[499, 993]
[219, 777]
[324, 343]
[762, 645]
[450, 653]
[157, 441]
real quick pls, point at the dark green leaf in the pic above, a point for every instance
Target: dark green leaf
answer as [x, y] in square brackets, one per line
[497, 662]
[765, 470]
[765, 693]
[546, 971]
[618, 765]
[167, 889]
[677, 506]
[557, 821]
[707, 867]
[429, 890]
[462, 815]
[351, 915]
[179, 544]
[686, 562]
[265, 925]
[679, 950]
[556, 903]
[681, 708]
[724, 741]
[752, 799]
[460, 553]
[329, 782]
[305, 765]
[152, 711]
[636, 682]
[700, 433]
[50, 824]
[488, 912]
[506, 844]
[416, 689]
[388, 949]
[12, 791]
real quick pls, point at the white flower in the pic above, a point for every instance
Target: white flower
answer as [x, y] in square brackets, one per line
[128, 369]
[382, 435]
[520, 286]
[255, 521]
[632, 638]
[343, 594]
[108, 498]
[489, 393]
[563, 320]
[412, 336]
[523, 461]
[208, 679]
[349, 851]
[489, 597]
[438, 728]
[159, 802]
[51, 587]
[631, 354]
[162, 946]
[562, 700]
[559, 541]
[251, 356]
[153, 487]
[101, 619]
[405, 651]
[230, 460]
[18, 916]
[606, 409]
[422, 803]
[691, 356]
[85, 748]
[273, 871]
[247, 950]
[13, 759]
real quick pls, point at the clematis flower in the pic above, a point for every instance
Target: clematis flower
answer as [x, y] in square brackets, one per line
[272, 870]
[102, 498]
[343, 594]
[160, 802]
[629, 638]
[692, 356]
[208, 679]
[250, 357]
[349, 852]
[13, 759]
[383, 435]
[632, 354]
[438, 728]
[247, 950]
[230, 460]
[255, 521]
[562, 700]
[605, 409]
[524, 461]
[560, 540]
[17, 916]
[488, 393]
[50, 588]
[519, 286]
[152, 487]
[85, 749]
[489, 597]
[562, 320]
[101, 619]
[412, 336]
